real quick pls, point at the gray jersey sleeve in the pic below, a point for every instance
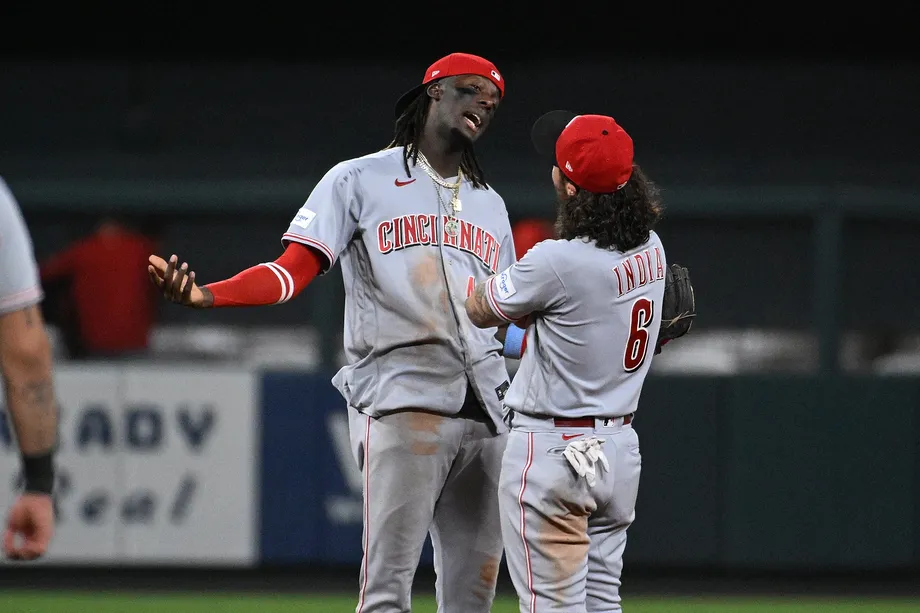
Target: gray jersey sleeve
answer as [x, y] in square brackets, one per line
[530, 285]
[329, 218]
[19, 282]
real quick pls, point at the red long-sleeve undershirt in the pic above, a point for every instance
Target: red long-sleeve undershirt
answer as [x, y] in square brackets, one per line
[270, 282]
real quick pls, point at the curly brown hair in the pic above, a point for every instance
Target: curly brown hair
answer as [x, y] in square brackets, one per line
[620, 220]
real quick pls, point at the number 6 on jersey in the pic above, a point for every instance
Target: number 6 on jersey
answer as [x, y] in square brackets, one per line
[640, 318]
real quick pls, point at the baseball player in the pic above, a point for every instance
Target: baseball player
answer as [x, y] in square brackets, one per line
[25, 362]
[415, 227]
[591, 305]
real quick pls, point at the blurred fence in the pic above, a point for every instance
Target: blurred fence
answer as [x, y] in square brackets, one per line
[202, 466]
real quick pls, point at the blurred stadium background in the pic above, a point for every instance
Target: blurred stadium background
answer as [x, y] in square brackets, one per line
[781, 438]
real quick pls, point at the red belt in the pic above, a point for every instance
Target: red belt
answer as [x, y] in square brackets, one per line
[588, 422]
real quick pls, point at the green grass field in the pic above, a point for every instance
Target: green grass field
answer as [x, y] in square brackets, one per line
[126, 602]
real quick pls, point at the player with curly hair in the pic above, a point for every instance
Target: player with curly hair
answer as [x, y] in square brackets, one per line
[591, 304]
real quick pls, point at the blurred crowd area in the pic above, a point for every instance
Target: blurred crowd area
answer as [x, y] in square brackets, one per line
[705, 351]
[119, 316]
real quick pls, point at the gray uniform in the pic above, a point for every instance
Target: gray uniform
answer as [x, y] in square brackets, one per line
[19, 282]
[423, 385]
[588, 352]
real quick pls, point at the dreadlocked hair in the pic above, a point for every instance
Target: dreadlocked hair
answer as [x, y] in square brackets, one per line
[620, 220]
[408, 133]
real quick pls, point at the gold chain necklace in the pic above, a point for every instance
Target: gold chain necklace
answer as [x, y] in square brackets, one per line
[452, 227]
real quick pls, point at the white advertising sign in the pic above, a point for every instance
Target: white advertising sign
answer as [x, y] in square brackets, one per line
[155, 465]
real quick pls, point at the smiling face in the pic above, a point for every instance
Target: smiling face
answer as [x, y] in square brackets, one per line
[463, 106]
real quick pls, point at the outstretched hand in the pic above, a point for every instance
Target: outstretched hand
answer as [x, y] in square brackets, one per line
[177, 282]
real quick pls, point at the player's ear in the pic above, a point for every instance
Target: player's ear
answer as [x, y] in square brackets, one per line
[570, 188]
[435, 91]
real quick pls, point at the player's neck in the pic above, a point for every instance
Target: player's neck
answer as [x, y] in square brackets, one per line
[442, 155]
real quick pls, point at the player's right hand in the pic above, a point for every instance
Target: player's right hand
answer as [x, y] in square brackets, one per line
[177, 282]
[29, 527]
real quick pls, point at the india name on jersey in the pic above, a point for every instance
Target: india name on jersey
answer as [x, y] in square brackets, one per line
[598, 313]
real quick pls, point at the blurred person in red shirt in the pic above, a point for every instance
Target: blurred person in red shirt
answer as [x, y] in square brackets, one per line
[530, 231]
[111, 313]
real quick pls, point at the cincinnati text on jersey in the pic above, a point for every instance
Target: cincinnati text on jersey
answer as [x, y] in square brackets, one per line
[413, 230]
[638, 270]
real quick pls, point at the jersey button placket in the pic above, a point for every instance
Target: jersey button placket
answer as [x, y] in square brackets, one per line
[446, 257]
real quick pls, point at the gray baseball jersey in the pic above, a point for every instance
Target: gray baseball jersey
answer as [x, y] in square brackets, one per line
[19, 282]
[597, 314]
[599, 317]
[407, 338]
[412, 354]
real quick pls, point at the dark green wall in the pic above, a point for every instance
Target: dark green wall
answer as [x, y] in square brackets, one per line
[779, 473]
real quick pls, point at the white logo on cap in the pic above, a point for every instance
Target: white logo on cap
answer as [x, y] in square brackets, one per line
[568, 166]
[435, 72]
[496, 75]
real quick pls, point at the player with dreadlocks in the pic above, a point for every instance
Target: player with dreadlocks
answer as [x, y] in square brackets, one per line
[410, 127]
[416, 227]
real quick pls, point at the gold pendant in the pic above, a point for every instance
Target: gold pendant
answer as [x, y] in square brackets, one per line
[455, 203]
[452, 227]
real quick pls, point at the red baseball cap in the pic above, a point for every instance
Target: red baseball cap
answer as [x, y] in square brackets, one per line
[592, 151]
[451, 66]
